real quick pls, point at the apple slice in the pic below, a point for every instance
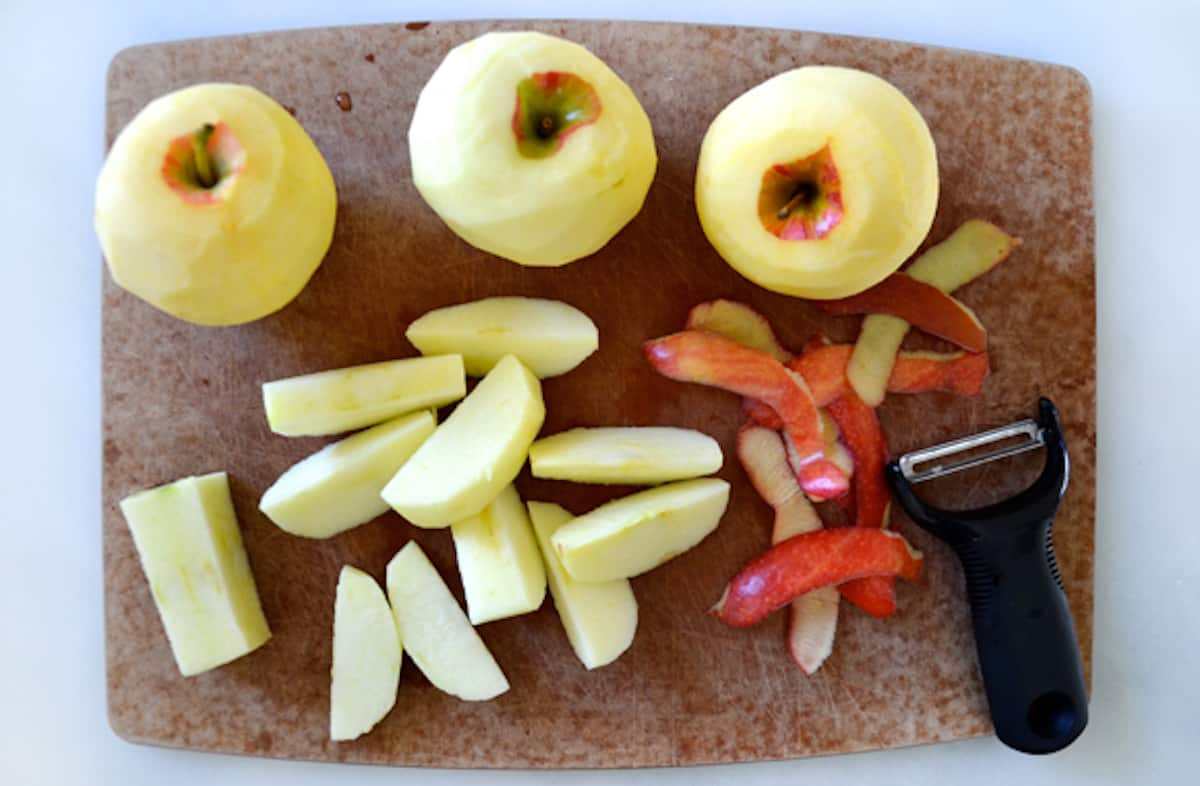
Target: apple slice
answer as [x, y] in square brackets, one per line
[337, 488]
[811, 560]
[498, 560]
[710, 359]
[635, 456]
[634, 534]
[187, 538]
[436, 633]
[922, 305]
[548, 336]
[366, 657]
[344, 399]
[475, 453]
[970, 251]
[600, 617]
[739, 322]
[813, 622]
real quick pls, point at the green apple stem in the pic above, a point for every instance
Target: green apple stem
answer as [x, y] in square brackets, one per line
[204, 169]
[804, 193]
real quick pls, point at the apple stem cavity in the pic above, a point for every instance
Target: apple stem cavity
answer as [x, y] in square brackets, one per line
[205, 177]
[550, 107]
[202, 166]
[802, 199]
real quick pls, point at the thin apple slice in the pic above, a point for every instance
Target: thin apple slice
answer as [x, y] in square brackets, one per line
[635, 456]
[337, 488]
[436, 634]
[187, 538]
[475, 453]
[813, 622]
[366, 656]
[344, 399]
[739, 322]
[634, 534]
[599, 617]
[710, 359]
[922, 305]
[806, 562]
[970, 251]
[550, 337]
[498, 560]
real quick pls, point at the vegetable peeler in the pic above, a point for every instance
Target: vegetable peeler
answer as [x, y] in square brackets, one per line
[1024, 635]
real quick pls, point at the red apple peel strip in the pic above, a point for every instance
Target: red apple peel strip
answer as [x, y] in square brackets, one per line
[813, 621]
[809, 561]
[739, 322]
[710, 359]
[922, 305]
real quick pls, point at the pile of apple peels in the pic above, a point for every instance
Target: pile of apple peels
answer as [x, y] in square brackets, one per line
[812, 433]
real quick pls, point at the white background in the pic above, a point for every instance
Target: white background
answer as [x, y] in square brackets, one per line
[1141, 58]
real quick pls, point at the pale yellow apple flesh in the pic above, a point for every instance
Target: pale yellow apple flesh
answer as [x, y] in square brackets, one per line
[344, 399]
[885, 175]
[187, 538]
[436, 634]
[625, 455]
[550, 337]
[599, 617]
[366, 657]
[251, 244]
[969, 252]
[498, 560]
[337, 488]
[634, 534]
[475, 453]
[545, 211]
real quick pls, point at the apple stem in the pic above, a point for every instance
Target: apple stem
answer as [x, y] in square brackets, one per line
[805, 192]
[204, 170]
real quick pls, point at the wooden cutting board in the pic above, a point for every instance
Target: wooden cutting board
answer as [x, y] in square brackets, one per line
[1014, 145]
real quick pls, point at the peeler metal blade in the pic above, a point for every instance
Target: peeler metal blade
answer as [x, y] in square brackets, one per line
[911, 463]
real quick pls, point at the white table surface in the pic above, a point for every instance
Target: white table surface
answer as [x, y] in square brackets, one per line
[1144, 68]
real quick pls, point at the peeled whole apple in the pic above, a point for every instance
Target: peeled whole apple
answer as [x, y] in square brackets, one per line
[214, 205]
[818, 182]
[529, 147]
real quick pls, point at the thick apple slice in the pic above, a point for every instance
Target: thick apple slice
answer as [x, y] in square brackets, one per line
[803, 563]
[739, 322]
[337, 488]
[813, 622]
[366, 657]
[475, 453]
[599, 617]
[344, 399]
[922, 305]
[548, 336]
[634, 534]
[970, 251]
[187, 538]
[635, 456]
[436, 633]
[710, 359]
[498, 560]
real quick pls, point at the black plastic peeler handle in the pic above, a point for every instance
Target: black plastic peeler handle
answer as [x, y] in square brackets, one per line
[1024, 634]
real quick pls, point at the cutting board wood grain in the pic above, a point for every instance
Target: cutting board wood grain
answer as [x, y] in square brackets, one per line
[1014, 146]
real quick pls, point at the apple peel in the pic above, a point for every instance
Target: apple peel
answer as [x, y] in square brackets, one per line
[739, 322]
[810, 561]
[709, 359]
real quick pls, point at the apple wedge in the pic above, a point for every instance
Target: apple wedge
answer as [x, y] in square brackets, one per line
[337, 488]
[344, 399]
[970, 251]
[550, 337]
[366, 657]
[634, 534]
[498, 560]
[187, 538]
[922, 305]
[814, 615]
[436, 633]
[739, 322]
[475, 453]
[635, 456]
[600, 617]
